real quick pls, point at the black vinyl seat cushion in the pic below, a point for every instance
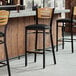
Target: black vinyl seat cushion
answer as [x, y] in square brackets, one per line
[1, 34]
[37, 27]
[66, 20]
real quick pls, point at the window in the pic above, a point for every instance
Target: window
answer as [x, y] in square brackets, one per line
[58, 4]
[49, 3]
[28, 4]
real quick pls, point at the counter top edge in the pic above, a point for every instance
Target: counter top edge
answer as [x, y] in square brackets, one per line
[29, 12]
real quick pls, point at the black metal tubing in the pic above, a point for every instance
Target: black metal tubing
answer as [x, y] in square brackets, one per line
[51, 19]
[51, 38]
[44, 48]
[6, 52]
[36, 37]
[57, 36]
[25, 47]
[63, 36]
[63, 29]
[72, 29]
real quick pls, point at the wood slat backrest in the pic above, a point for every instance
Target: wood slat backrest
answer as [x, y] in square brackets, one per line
[44, 12]
[4, 17]
[74, 10]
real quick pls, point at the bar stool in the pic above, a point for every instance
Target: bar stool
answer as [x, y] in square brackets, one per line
[64, 25]
[4, 15]
[41, 13]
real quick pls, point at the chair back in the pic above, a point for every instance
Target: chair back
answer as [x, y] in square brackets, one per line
[44, 13]
[4, 17]
[74, 10]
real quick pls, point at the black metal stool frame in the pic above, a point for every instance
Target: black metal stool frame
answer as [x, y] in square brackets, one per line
[6, 53]
[37, 29]
[63, 29]
[5, 49]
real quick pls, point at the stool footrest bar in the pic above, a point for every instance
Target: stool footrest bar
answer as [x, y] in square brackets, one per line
[38, 52]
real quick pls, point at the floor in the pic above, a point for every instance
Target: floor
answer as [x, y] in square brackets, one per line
[66, 64]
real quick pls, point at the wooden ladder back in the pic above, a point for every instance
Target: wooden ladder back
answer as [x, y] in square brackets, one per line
[4, 17]
[74, 10]
[44, 12]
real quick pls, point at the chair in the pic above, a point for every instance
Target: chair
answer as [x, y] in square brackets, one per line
[65, 22]
[41, 13]
[4, 15]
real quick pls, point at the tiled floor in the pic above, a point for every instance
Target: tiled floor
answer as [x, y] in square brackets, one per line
[66, 64]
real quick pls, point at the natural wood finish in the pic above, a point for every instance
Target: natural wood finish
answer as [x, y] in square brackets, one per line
[45, 12]
[74, 13]
[4, 17]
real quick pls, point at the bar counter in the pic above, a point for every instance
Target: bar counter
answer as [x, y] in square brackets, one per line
[29, 12]
[16, 32]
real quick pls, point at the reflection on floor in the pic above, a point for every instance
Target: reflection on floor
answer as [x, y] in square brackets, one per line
[66, 64]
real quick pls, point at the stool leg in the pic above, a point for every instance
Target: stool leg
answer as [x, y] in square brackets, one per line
[51, 38]
[56, 36]
[43, 49]
[72, 39]
[63, 36]
[6, 54]
[18, 57]
[36, 45]
[25, 47]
